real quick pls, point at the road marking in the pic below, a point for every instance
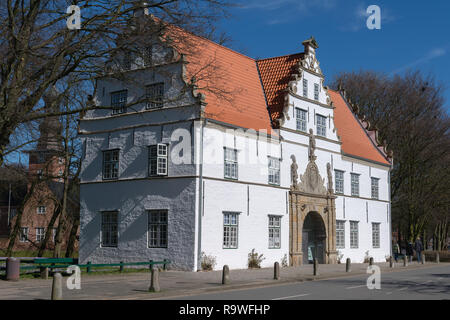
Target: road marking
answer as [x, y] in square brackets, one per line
[299, 295]
[402, 289]
[364, 285]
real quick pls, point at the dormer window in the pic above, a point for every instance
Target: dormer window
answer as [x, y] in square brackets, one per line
[119, 101]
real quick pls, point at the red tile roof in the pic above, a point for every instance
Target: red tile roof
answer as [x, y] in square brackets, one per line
[355, 139]
[251, 82]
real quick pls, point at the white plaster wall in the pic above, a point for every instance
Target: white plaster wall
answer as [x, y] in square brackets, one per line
[253, 229]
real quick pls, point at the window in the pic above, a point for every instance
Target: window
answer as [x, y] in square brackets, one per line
[339, 181]
[321, 125]
[316, 91]
[374, 187]
[340, 234]
[274, 232]
[375, 235]
[23, 234]
[354, 234]
[157, 229]
[230, 230]
[39, 173]
[119, 101]
[305, 88]
[274, 171]
[109, 229]
[41, 209]
[231, 165]
[147, 54]
[355, 184]
[300, 116]
[157, 160]
[110, 164]
[39, 234]
[155, 95]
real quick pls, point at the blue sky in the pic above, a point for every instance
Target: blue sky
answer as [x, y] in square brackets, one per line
[413, 35]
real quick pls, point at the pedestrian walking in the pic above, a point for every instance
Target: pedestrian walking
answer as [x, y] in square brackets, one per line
[419, 248]
[410, 251]
[396, 251]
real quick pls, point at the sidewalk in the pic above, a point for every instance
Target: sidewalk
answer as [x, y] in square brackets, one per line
[179, 283]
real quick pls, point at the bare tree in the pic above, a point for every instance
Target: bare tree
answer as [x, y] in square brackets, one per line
[38, 51]
[410, 116]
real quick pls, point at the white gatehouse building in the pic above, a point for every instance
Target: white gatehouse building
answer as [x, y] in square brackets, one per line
[251, 154]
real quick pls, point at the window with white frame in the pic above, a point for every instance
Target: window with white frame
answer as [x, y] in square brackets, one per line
[354, 237]
[375, 235]
[158, 159]
[110, 233]
[339, 181]
[41, 209]
[355, 184]
[340, 234]
[231, 164]
[154, 94]
[305, 88]
[230, 230]
[23, 234]
[321, 123]
[157, 229]
[40, 233]
[274, 232]
[274, 170]
[119, 101]
[110, 164]
[374, 184]
[300, 116]
[316, 91]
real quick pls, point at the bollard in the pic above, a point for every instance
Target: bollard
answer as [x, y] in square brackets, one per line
[225, 275]
[423, 257]
[57, 287]
[391, 262]
[348, 265]
[405, 261]
[121, 266]
[276, 271]
[12, 269]
[88, 268]
[44, 273]
[316, 267]
[370, 261]
[437, 257]
[154, 284]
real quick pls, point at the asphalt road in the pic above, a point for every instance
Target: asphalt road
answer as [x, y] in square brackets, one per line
[421, 284]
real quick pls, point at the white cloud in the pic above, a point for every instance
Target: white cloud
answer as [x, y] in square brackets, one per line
[432, 54]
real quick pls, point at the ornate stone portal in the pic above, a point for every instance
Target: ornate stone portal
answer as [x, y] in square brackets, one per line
[311, 198]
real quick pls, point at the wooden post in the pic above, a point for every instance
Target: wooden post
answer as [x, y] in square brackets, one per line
[154, 284]
[348, 265]
[57, 287]
[316, 267]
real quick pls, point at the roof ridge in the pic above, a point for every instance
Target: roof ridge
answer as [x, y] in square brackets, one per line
[286, 55]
